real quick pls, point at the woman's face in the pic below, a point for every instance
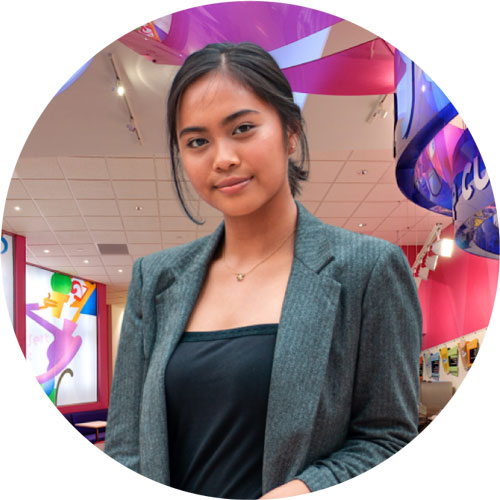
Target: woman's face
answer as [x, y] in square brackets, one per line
[232, 146]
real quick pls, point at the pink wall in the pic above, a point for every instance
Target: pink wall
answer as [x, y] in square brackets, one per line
[458, 296]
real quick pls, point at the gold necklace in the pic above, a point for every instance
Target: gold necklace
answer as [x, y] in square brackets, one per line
[241, 276]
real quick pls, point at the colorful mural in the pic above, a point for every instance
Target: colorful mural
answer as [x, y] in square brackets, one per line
[61, 335]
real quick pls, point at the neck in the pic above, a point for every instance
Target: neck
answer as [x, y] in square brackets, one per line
[250, 237]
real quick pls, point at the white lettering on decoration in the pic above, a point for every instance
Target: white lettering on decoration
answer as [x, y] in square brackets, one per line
[477, 181]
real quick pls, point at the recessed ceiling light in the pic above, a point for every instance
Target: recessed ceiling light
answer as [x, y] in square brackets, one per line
[139, 208]
[46, 251]
[120, 90]
[86, 261]
[120, 270]
[16, 208]
[362, 172]
[361, 224]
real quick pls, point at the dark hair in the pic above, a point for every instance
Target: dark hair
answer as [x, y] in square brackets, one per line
[255, 69]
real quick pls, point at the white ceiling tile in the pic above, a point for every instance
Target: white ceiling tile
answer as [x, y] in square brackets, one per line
[407, 208]
[348, 191]
[109, 236]
[58, 207]
[139, 249]
[176, 237]
[131, 168]
[40, 238]
[119, 279]
[394, 223]
[124, 271]
[391, 236]
[78, 250]
[99, 207]
[73, 237]
[83, 168]
[138, 208]
[385, 192]
[332, 209]
[66, 223]
[373, 155]
[84, 270]
[313, 191]
[353, 172]
[117, 260]
[166, 191]
[23, 224]
[369, 223]
[163, 169]
[330, 155]
[17, 191]
[185, 223]
[428, 221]
[26, 208]
[324, 171]
[48, 189]
[171, 208]
[389, 177]
[102, 223]
[141, 223]
[312, 206]
[135, 190]
[32, 260]
[97, 278]
[92, 190]
[54, 262]
[38, 168]
[335, 221]
[79, 261]
[375, 209]
[143, 237]
[53, 250]
[6, 226]
[67, 270]
[413, 238]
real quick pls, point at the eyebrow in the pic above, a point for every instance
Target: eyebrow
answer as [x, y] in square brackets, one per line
[225, 121]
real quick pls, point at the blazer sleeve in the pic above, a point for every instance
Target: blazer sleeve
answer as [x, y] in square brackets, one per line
[384, 409]
[122, 431]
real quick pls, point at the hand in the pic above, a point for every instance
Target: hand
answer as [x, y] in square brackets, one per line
[290, 489]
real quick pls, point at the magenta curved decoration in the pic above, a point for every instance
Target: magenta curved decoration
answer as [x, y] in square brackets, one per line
[169, 40]
[367, 69]
[63, 348]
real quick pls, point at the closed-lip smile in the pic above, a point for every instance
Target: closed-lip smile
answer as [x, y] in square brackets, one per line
[232, 181]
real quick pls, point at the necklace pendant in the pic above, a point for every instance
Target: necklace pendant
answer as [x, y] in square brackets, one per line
[240, 276]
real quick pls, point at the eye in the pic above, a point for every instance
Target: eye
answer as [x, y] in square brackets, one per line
[196, 143]
[244, 127]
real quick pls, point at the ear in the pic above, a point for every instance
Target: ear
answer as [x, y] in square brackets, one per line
[292, 143]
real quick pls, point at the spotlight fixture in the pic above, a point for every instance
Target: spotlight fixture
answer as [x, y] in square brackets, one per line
[379, 110]
[443, 247]
[362, 172]
[361, 224]
[120, 89]
[139, 208]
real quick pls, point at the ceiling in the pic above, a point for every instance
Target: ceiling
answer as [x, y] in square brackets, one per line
[83, 178]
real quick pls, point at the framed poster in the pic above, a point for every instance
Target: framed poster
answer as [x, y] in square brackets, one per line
[61, 335]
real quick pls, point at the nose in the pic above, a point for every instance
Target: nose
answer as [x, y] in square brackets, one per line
[226, 157]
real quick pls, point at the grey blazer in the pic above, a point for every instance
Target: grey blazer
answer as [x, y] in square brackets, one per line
[344, 385]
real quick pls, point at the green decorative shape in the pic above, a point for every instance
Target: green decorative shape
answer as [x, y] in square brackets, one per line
[60, 283]
[52, 396]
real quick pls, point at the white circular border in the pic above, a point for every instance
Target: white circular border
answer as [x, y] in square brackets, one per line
[46, 42]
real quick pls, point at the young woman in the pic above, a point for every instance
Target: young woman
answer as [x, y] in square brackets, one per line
[278, 355]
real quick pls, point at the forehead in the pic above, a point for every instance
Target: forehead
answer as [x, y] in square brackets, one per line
[216, 95]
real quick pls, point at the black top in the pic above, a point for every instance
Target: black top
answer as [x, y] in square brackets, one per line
[217, 386]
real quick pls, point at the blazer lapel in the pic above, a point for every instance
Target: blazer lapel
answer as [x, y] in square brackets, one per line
[301, 353]
[173, 307]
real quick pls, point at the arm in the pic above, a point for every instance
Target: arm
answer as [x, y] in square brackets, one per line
[122, 432]
[384, 407]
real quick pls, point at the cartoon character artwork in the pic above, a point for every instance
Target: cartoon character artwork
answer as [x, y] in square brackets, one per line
[62, 334]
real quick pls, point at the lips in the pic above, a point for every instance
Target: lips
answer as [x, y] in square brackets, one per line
[232, 181]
